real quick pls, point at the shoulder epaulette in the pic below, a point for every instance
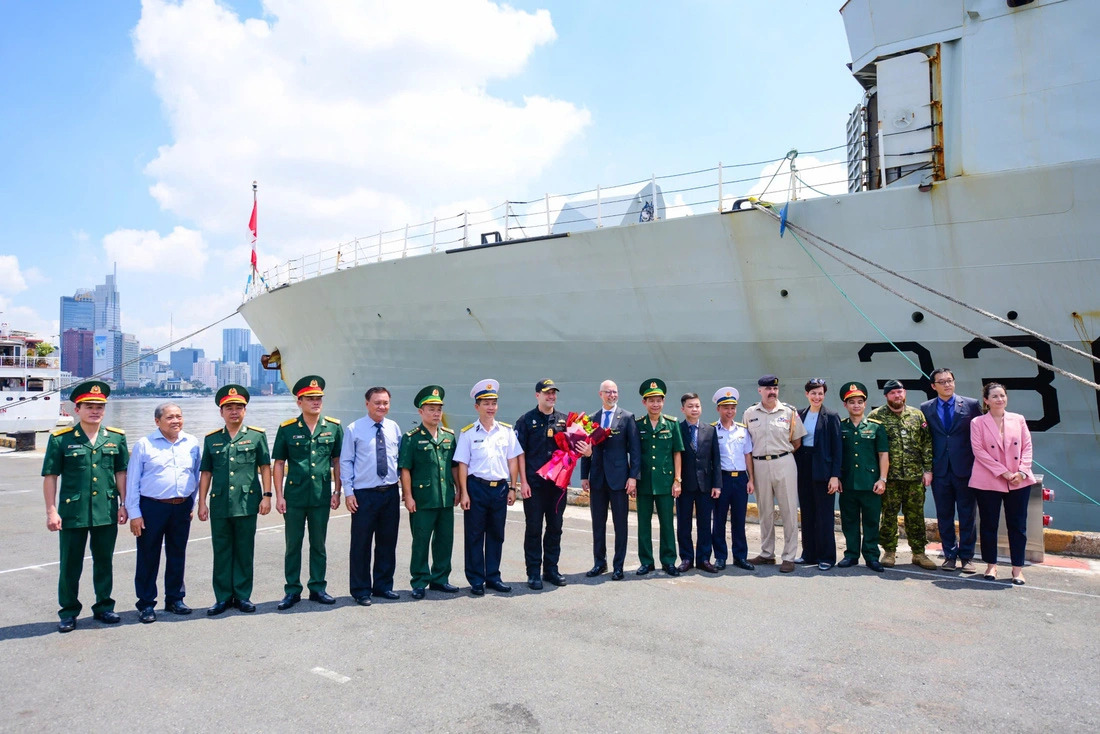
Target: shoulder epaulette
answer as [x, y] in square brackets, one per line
[874, 420]
[288, 422]
[413, 431]
[506, 425]
[791, 407]
[714, 423]
[255, 428]
[332, 420]
[447, 430]
[112, 429]
[739, 423]
[216, 430]
[467, 428]
[669, 418]
[62, 431]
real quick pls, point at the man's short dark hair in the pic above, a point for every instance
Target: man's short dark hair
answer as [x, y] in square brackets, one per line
[688, 396]
[374, 391]
[942, 370]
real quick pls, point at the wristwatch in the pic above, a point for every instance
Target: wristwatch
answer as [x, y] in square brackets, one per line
[267, 494]
[678, 480]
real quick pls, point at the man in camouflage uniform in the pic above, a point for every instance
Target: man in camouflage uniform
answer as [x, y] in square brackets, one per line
[910, 473]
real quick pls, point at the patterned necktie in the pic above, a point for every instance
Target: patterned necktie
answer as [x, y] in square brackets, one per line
[945, 415]
[606, 418]
[380, 452]
[694, 437]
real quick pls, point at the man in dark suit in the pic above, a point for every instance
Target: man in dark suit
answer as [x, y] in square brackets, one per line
[701, 470]
[611, 470]
[948, 416]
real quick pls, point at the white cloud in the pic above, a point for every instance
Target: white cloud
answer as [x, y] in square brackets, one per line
[12, 279]
[353, 117]
[829, 178]
[180, 252]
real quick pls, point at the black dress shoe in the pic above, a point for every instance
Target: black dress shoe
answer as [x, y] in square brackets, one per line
[418, 593]
[596, 570]
[721, 565]
[847, 562]
[217, 608]
[288, 601]
[363, 601]
[743, 564]
[68, 624]
[321, 597]
[445, 588]
[108, 617]
[246, 606]
[177, 607]
[618, 575]
[671, 570]
[391, 595]
[147, 615]
[478, 590]
[534, 583]
[644, 569]
[500, 586]
[824, 565]
[555, 578]
[706, 566]
[876, 566]
[684, 566]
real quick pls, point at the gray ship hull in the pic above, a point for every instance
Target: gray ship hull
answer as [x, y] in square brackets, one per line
[716, 299]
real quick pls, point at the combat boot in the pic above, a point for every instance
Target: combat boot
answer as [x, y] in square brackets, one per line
[919, 559]
[888, 558]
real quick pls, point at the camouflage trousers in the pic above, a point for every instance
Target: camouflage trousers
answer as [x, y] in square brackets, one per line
[906, 496]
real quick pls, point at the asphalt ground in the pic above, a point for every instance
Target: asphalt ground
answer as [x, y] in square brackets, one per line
[843, 651]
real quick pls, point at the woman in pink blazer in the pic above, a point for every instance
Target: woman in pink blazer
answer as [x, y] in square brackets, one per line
[1002, 474]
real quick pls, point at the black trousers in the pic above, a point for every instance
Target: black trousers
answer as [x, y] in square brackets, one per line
[703, 505]
[376, 521]
[546, 505]
[989, 514]
[599, 499]
[817, 505]
[483, 529]
[168, 526]
[732, 504]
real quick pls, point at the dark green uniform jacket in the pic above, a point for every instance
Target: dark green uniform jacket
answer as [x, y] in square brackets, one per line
[308, 459]
[235, 485]
[87, 496]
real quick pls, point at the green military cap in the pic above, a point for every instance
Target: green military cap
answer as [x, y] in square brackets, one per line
[853, 390]
[309, 385]
[892, 385]
[92, 391]
[231, 394]
[653, 386]
[430, 395]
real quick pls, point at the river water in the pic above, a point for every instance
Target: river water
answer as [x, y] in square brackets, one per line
[200, 415]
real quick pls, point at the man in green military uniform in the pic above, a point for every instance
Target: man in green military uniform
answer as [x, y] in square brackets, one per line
[231, 458]
[659, 484]
[307, 454]
[866, 463]
[910, 473]
[428, 491]
[91, 462]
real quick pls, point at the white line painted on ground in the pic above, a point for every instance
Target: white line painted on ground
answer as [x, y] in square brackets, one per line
[330, 674]
[972, 580]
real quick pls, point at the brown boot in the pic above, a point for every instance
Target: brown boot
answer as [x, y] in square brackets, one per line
[888, 558]
[919, 559]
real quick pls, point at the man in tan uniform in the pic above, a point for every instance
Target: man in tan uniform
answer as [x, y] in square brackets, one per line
[776, 432]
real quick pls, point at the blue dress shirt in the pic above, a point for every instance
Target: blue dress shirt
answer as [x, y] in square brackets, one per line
[161, 470]
[810, 424]
[358, 465]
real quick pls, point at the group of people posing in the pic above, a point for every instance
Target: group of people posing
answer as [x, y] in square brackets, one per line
[695, 473]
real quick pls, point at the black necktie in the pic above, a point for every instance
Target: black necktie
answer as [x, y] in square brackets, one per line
[694, 430]
[945, 416]
[380, 452]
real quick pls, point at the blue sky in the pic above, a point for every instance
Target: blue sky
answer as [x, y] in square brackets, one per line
[132, 131]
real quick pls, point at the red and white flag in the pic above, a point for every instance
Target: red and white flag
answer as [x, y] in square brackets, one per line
[252, 227]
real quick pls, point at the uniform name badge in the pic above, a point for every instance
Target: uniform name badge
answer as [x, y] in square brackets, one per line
[549, 432]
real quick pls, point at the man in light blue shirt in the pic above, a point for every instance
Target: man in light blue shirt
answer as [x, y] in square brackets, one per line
[368, 475]
[161, 480]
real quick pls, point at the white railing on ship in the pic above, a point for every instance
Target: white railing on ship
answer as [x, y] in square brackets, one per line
[684, 194]
[30, 361]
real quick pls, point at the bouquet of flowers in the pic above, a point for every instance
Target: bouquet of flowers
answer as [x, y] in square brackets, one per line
[578, 427]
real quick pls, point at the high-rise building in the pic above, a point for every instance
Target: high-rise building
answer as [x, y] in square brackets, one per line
[130, 352]
[183, 361]
[104, 354]
[107, 304]
[76, 352]
[235, 344]
[206, 372]
[78, 312]
[233, 373]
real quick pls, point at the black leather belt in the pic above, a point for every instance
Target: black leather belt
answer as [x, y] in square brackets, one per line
[381, 488]
[490, 482]
[730, 473]
[173, 501]
[769, 457]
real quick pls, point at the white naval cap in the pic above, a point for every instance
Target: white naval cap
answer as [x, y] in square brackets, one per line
[726, 396]
[485, 389]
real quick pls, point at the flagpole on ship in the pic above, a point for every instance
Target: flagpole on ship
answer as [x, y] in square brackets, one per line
[252, 275]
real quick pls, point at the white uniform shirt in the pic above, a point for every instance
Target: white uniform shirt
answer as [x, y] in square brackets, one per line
[486, 453]
[733, 445]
